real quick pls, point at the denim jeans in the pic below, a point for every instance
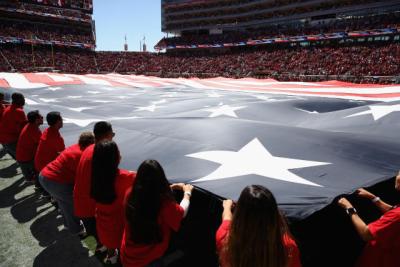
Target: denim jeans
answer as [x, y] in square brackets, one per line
[28, 170]
[62, 193]
[11, 149]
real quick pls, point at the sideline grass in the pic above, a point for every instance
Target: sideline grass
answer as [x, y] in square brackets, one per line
[31, 229]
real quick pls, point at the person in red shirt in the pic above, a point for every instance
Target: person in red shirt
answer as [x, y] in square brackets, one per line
[84, 205]
[256, 224]
[12, 122]
[58, 177]
[108, 187]
[2, 106]
[382, 236]
[51, 143]
[27, 144]
[152, 214]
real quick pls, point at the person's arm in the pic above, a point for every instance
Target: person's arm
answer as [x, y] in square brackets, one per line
[383, 206]
[185, 203]
[227, 213]
[359, 224]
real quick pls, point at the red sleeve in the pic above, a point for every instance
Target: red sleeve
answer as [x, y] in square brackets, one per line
[173, 215]
[222, 233]
[293, 251]
[21, 120]
[60, 146]
[386, 224]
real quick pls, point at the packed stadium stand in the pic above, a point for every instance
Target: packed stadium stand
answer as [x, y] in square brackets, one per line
[356, 41]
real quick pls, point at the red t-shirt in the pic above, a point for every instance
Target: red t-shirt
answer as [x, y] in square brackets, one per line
[11, 124]
[1, 110]
[110, 218]
[383, 250]
[63, 168]
[288, 242]
[28, 142]
[139, 255]
[84, 205]
[50, 145]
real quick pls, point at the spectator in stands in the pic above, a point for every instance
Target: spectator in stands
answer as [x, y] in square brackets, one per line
[28, 142]
[12, 123]
[58, 178]
[382, 236]
[108, 188]
[256, 233]
[84, 205]
[152, 214]
[51, 143]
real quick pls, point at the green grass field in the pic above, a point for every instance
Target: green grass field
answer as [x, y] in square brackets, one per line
[31, 229]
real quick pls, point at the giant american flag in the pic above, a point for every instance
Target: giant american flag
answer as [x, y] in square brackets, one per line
[306, 142]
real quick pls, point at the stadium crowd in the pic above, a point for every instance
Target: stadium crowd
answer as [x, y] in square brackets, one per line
[132, 214]
[390, 20]
[223, 16]
[28, 30]
[358, 61]
[47, 8]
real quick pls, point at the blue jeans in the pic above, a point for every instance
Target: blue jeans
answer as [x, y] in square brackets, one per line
[28, 170]
[62, 193]
[11, 149]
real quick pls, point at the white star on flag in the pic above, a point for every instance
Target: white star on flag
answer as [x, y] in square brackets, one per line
[224, 110]
[49, 100]
[152, 107]
[378, 111]
[54, 88]
[79, 109]
[254, 159]
[213, 94]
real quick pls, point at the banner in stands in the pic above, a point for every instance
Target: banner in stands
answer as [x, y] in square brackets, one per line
[307, 142]
[326, 36]
[15, 40]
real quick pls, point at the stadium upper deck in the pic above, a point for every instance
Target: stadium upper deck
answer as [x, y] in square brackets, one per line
[218, 16]
[48, 22]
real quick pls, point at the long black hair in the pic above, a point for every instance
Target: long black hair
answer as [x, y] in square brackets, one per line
[105, 163]
[151, 188]
[257, 230]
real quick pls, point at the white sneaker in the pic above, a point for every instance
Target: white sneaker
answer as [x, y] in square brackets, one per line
[113, 259]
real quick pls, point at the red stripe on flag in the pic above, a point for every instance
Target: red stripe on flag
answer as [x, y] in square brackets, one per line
[4, 83]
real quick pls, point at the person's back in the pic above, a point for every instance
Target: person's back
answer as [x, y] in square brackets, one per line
[108, 187]
[63, 168]
[51, 142]
[269, 238]
[151, 214]
[84, 205]
[135, 254]
[110, 217]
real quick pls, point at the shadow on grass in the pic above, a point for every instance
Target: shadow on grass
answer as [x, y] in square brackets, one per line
[65, 250]
[8, 194]
[10, 171]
